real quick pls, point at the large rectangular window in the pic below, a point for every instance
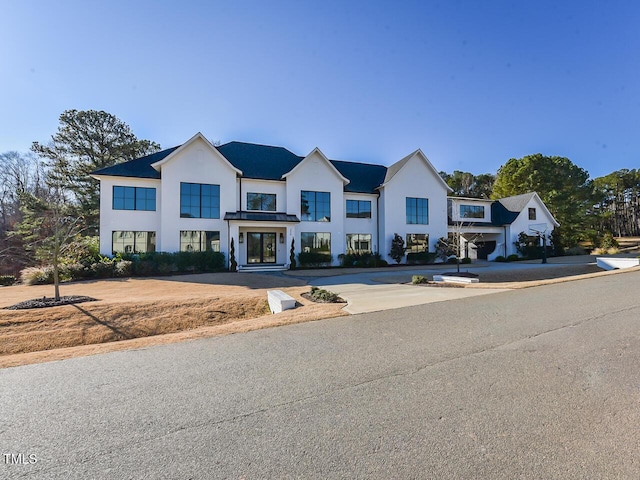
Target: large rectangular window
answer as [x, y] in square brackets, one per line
[134, 198]
[358, 243]
[199, 241]
[417, 242]
[315, 206]
[199, 200]
[133, 242]
[358, 209]
[265, 202]
[471, 211]
[417, 211]
[316, 242]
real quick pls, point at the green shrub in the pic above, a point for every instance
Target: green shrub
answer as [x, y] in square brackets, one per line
[500, 258]
[314, 259]
[418, 279]
[421, 258]
[465, 260]
[361, 260]
[7, 280]
[608, 241]
[513, 257]
[324, 296]
[452, 260]
[397, 248]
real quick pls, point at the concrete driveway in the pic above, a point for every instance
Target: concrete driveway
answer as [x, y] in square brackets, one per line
[372, 290]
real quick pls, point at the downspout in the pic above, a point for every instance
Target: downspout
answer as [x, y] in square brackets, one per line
[505, 241]
[378, 221]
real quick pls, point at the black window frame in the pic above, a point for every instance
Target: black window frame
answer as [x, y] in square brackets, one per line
[414, 208]
[149, 240]
[209, 238]
[532, 213]
[138, 197]
[311, 211]
[195, 207]
[261, 197]
[357, 241]
[477, 209]
[411, 246]
[358, 211]
[316, 242]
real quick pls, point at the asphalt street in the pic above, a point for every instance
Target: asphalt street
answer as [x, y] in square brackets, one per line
[535, 383]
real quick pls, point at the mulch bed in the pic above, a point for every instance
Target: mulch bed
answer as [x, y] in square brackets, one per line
[320, 300]
[46, 302]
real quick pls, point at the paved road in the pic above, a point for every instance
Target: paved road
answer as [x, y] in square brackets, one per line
[534, 383]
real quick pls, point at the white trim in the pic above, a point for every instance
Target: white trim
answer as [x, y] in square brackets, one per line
[198, 136]
[345, 180]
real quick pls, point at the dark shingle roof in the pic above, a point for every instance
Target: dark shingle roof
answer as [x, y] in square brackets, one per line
[500, 215]
[261, 216]
[139, 168]
[259, 161]
[364, 177]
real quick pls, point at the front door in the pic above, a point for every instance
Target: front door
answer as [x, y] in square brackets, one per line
[261, 247]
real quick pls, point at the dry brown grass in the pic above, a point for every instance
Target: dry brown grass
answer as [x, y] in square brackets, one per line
[137, 308]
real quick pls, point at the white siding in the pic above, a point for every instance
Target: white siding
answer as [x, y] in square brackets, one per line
[315, 174]
[415, 179]
[279, 188]
[361, 225]
[126, 220]
[197, 163]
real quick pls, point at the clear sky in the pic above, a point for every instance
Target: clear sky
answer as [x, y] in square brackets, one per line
[472, 83]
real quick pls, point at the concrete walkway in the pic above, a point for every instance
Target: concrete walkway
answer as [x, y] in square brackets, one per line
[376, 289]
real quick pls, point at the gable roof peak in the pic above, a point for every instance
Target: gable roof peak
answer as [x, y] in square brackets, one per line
[396, 167]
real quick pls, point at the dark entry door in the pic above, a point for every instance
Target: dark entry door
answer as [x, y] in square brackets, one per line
[261, 247]
[485, 249]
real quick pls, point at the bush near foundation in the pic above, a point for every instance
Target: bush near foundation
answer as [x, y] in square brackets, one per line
[421, 258]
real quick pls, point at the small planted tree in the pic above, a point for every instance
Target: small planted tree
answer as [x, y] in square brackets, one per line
[292, 255]
[397, 248]
[233, 264]
[49, 228]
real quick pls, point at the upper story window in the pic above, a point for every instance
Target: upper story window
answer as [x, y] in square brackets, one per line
[417, 211]
[532, 214]
[199, 200]
[471, 211]
[315, 206]
[358, 209]
[265, 202]
[134, 198]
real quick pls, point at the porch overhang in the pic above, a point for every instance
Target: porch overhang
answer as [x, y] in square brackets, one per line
[261, 217]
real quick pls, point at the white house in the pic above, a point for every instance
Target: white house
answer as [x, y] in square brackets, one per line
[490, 228]
[198, 196]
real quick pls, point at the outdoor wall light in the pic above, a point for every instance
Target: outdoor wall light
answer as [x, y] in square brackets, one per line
[281, 237]
[241, 237]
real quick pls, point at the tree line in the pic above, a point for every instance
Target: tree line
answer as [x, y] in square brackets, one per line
[587, 209]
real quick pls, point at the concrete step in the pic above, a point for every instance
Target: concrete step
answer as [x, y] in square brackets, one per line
[262, 268]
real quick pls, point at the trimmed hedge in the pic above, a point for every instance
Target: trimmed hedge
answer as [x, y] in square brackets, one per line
[144, 264]
[421, 258]
[7, 280]
[362, 260]
[314, 259]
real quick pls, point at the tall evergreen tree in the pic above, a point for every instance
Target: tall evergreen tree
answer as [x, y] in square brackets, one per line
[562, 186]
[86, 141]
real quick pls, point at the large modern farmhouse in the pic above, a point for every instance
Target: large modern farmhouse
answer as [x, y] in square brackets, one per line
[201, 197]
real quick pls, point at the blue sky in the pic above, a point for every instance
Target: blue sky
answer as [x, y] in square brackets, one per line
[470, 83]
